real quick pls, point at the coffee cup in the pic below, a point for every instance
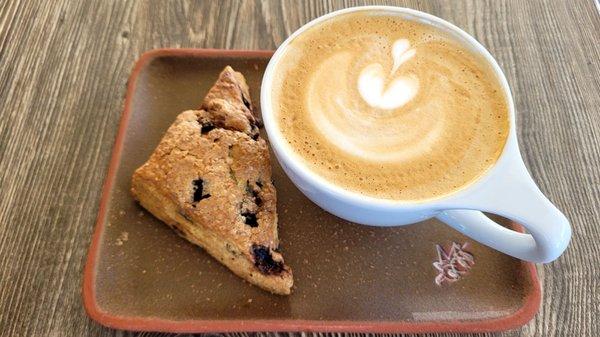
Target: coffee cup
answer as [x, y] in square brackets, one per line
[505, 188]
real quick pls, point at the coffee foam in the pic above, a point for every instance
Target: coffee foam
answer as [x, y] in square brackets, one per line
[389, 107]
[399, 91]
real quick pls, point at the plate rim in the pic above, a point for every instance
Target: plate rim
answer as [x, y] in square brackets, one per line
[524, 314]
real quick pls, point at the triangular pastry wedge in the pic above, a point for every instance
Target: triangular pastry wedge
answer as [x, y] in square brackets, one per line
[210, 180]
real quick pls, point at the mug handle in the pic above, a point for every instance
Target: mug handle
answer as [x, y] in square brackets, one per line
[512, 193]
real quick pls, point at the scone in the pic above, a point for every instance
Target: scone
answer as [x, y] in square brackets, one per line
[210, 180]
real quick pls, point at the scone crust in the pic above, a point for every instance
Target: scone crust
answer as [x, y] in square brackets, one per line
[210, 179]
[231, 165]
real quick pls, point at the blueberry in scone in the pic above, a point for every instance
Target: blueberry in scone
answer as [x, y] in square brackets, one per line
[210, 180]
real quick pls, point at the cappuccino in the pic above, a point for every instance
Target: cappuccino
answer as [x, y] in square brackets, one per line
[388, 107]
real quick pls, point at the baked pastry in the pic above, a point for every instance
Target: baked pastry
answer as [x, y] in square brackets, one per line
[210, 180]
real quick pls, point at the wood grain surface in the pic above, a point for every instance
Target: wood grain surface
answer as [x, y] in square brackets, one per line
[63, 70]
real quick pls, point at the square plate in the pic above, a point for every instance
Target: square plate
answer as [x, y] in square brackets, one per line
[141, 276]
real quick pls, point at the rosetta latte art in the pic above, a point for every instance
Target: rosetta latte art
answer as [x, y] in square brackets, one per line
[375, 131]
[371, 81]
[389, 107]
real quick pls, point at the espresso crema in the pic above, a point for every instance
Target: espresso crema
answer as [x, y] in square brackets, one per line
[389, 107]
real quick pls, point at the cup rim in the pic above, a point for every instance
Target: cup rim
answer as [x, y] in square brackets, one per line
[286, 154]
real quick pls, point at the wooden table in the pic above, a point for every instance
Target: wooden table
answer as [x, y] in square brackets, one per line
[63, 70]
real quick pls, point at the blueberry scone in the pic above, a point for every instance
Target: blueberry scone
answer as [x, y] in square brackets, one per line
[210, 180]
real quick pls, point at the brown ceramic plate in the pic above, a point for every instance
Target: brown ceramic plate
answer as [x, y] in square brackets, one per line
[141, 276]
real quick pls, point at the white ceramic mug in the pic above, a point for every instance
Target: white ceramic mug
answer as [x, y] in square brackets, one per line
[506, 189]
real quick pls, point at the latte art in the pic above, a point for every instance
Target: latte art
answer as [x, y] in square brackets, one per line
[363, 129]
[371, 81]
[399, 92]
[389, 107]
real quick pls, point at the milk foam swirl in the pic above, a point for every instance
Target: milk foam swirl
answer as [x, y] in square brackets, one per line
[389, 107]
[371, 81]
[360, 108]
